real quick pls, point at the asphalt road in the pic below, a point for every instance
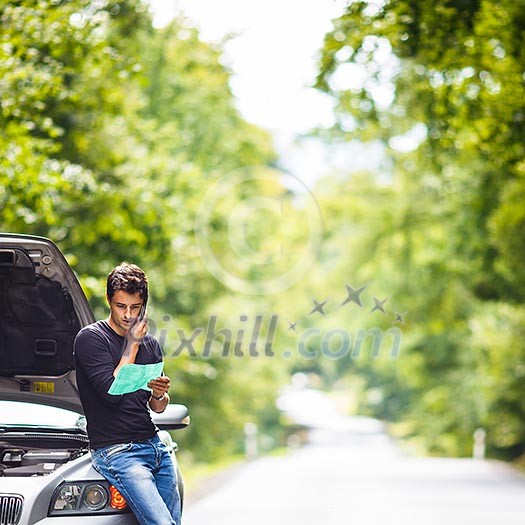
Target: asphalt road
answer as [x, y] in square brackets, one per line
[352, 473]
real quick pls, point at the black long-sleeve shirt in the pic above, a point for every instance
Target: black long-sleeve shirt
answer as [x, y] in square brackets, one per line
[111, 419]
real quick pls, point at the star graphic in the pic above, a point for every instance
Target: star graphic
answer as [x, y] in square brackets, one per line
[318, 307]
[399, 317]
[353, 295]
[291, 326]
[379, 305]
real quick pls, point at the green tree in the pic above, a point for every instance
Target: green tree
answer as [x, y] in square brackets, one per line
[446, 78]
[110, 133]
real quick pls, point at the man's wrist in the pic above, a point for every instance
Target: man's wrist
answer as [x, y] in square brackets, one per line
[158, 398]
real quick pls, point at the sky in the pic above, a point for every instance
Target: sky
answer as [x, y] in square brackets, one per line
[273, 58]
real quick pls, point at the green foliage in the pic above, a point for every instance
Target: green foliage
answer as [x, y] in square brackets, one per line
[110, 133]
[446, 233]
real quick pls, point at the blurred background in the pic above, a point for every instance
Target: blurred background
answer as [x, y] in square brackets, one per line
[341, 184]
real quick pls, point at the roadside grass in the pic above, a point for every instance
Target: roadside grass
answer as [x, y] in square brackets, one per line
[519, 464]
[195, 473]
[406, 439]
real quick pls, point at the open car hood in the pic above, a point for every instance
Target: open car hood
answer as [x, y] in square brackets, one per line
[42, 307]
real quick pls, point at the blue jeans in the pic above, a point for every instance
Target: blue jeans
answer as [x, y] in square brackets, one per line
[144, 474]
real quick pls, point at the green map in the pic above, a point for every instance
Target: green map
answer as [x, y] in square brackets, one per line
[132, 377]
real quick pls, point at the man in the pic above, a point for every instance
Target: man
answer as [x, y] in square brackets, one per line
[125, 447]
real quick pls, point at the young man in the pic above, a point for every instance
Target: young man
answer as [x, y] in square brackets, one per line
[125, 447]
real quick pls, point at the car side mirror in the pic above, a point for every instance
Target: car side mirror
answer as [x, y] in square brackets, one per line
[174, 417]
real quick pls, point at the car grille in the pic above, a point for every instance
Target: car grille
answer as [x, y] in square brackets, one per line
[10, 509]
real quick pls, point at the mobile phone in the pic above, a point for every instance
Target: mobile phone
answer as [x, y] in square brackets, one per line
[142, 312]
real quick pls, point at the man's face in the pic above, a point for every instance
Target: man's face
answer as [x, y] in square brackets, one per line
[124, 308]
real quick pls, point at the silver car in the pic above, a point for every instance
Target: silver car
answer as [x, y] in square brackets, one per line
[46, 475]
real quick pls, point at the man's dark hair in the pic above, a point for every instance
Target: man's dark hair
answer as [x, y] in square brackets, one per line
[129, 278]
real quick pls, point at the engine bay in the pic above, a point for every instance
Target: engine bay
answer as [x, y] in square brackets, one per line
[25, 461]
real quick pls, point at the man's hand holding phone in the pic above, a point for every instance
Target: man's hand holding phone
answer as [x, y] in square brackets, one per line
[139, 328]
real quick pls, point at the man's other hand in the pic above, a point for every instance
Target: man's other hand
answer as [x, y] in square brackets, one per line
[160, 386]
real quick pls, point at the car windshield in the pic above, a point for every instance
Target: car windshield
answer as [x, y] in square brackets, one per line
[20, 414]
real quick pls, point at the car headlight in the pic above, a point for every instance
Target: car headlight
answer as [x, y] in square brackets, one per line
[86, 497]
[95, 497]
